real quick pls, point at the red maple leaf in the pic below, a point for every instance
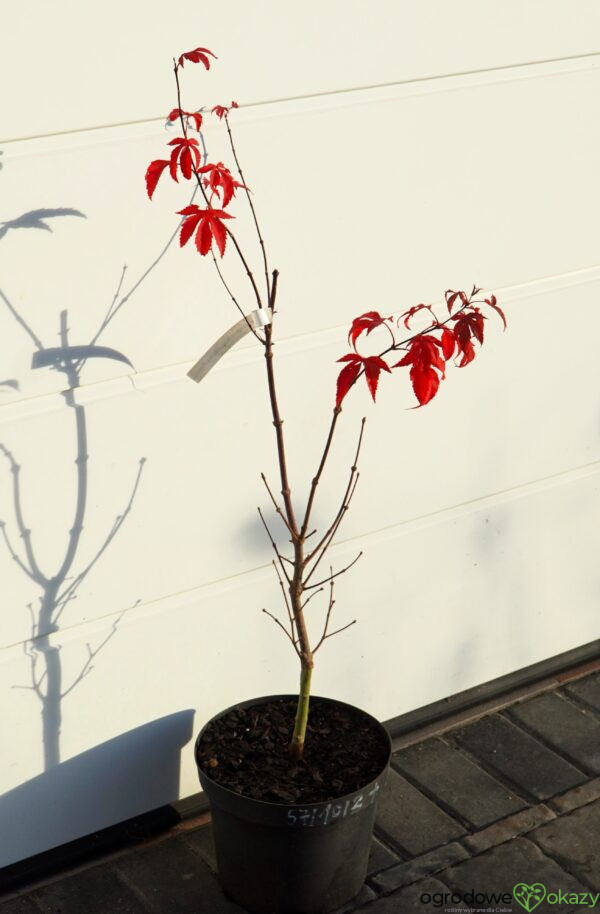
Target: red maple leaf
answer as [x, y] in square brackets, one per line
[448, 343]
[208, 225]
[411, 311]
[222, 111]
[468, 324]
[185, 153]
[220, 178]
[451, 297]
[153, 173]
[424, 358]
[198, 55]
[195, 116]
[365, 322]
[491, 301]
[373, 366]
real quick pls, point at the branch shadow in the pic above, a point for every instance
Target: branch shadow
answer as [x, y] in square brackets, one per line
[57, 590]
[138, 770]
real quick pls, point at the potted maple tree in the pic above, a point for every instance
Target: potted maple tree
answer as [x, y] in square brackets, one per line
[293, 794]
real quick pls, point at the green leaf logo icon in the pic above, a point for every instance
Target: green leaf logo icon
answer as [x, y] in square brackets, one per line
[530, 896]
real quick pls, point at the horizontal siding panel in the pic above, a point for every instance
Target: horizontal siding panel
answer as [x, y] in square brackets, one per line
[526, 590]
[192, 519]
[515, 204]
[394, 151]
[266, 51]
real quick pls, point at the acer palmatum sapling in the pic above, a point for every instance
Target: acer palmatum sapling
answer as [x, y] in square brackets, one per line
[426, 353]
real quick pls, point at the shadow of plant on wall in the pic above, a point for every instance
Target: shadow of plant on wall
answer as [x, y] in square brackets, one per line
[58, 589]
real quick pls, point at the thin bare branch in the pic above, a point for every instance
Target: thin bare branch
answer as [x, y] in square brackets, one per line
[274, 545]
[285, 598]
[331, 533]
[234, 299]
[317, 476]
[336, 632]
[283, 629]
[346, 499]
[275, 505]
[336, 575]
[250, 203]
[308, 599]
[278, 423]
[329, 610]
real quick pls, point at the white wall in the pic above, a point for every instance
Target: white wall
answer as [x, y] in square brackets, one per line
[394, 150]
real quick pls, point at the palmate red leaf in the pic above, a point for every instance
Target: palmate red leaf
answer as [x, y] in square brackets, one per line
[204, 237]
[365, 323]
[222, 111]
[190, 224]
[186, 154]
[423, 349]
[198, 55]
[208, 225]
[425, 382]
[448, 343]
[195, 116]
[468, 354]
[219, 232]
[491, 301]
[373, 366]
[412, 311]
[346, 378]
[468, 324]
[424, 358]
[451, 297]
[153, 173]
[220, 178]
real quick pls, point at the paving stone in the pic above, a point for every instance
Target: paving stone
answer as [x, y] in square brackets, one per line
[564, 726]
[502, 868]
[409, 820]
[93, 891]
[574, 841]
[458, 782]
[577, 797]
[408, 900]
[19, 906]
[412, 870]
[587, 690]
[518, 756]
[364, 896]
[508, 828]
[380, 858]
[201, 840]
[172, 878]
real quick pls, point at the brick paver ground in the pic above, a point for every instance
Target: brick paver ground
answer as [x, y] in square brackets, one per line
[497, 807]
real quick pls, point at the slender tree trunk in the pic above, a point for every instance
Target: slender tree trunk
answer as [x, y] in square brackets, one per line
[306, 656]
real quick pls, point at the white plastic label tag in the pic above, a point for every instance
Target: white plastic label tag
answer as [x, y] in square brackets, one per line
[255, 320]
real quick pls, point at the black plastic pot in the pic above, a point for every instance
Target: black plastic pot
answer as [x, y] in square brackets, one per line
[274, 858]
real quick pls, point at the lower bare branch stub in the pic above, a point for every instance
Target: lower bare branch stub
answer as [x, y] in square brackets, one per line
[336, 575]
[283, 629]
[281, 558]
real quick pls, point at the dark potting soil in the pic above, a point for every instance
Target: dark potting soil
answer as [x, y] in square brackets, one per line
[247, 751]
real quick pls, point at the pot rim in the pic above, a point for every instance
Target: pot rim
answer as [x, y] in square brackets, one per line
[224, 796]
